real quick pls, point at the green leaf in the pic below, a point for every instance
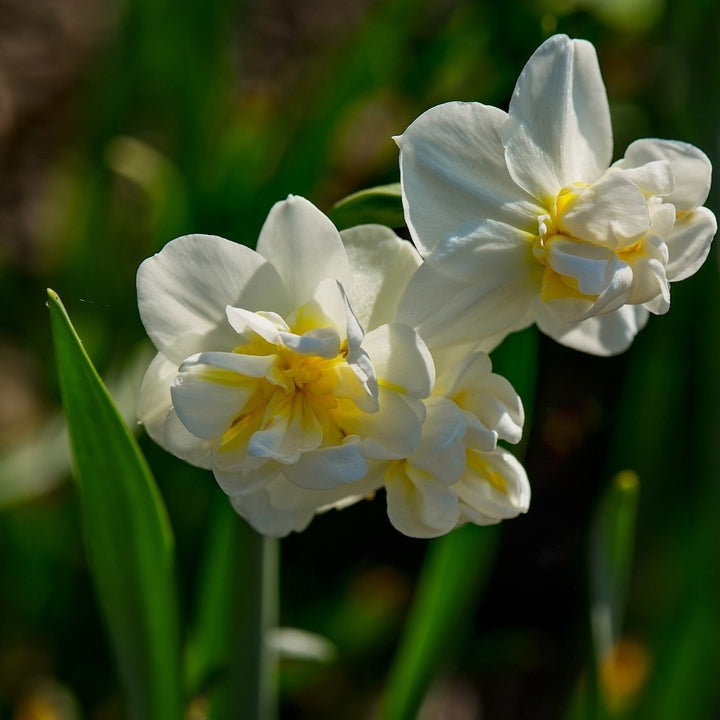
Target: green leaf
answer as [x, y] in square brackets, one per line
[381, 205]
[127, 533]
[456, 568]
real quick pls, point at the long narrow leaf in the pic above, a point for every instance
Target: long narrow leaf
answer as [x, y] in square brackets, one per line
[456, 568]
[127, 533]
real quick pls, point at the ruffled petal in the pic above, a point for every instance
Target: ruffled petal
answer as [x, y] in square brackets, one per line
[382, 264]
[607, 334]
[559, 130]
[453, 172]
[304, 247]
[184, 289]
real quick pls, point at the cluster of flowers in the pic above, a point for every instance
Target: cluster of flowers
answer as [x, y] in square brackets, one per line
[324, 366]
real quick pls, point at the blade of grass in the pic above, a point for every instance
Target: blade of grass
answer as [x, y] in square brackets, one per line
[456, 568]
[127, 533]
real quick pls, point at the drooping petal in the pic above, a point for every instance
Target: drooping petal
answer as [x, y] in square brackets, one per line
[154, 401]
[559, 130]
[401, 359]
[267, 325]
[382, 264]
[607, 334]
[304, 247]
[690, 167]
[184, 289]
[417, 504]
[689, 243]
[453, 172]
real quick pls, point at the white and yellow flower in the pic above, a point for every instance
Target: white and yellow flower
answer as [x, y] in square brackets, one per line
[265, 373]
[459, 473]
[521, 218]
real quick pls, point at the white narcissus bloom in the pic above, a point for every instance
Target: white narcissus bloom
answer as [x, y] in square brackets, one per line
[264, 372]
[459, 474]
[521, 218]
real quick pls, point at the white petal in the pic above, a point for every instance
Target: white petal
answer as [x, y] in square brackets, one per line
[154, 401]
[382, 264]
[184, 289]
[689, 243]
[267, 325]
[441, 453]
[211, 389]
[329, 467]
[652, 178]
[418, 505]
[280, 507]
[487, 396]
[304, 246]
[613, 211]
[448, 305]
[453, 172]
[690, 166]
[247, 479]
[401, 359]
[591, 266]
[394, 431]
[495, 489]
[559, 129]
[183, 444]
[607, 334]
[290, 430]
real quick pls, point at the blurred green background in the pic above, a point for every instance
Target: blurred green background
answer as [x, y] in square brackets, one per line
[123, 125]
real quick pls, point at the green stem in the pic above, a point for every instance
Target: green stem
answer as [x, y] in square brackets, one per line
[253, 676]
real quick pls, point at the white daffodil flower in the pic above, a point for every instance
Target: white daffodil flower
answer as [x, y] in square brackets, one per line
[459, 474]
[264, 371]
[521, 218]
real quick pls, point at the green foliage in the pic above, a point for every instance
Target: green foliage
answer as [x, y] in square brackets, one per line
[128, 537]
